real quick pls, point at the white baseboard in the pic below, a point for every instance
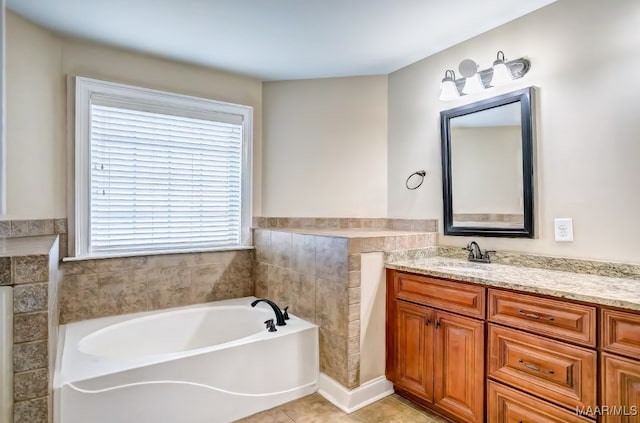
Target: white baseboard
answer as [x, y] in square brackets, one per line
[352, 400]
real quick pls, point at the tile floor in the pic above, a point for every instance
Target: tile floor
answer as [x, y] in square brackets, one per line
[316, 409]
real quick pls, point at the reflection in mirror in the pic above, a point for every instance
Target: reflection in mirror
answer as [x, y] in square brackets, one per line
[486, 168]
[487, 159]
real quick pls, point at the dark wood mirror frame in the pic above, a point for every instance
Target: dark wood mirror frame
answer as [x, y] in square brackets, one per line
[525, 97]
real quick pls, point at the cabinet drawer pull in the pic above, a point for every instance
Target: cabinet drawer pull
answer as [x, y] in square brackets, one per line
[534, 316]
[437, 324]
[534, 368]
[427, 321]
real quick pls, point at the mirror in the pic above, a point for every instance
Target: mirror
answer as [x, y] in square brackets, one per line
[487, 167]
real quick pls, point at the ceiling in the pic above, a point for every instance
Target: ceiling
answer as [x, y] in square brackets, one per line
[279, 39]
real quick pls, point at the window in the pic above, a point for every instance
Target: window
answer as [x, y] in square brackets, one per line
[158, 172]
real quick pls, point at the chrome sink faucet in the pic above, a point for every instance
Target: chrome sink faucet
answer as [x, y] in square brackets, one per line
[476, 255]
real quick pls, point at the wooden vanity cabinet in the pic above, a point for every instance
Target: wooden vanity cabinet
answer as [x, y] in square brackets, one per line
[620, 366]
[435, 355]
[548, 360]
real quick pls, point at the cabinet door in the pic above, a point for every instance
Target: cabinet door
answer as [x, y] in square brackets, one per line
[620, 389]
[414, 349]
[459, 366]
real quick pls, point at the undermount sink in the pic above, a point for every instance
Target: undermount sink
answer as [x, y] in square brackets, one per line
[462, 268]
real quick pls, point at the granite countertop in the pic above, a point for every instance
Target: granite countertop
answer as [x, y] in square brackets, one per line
[617, 292]
[27, 246]
[347, 232]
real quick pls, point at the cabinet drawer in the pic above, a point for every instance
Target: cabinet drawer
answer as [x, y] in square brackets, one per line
[562, 373]
[554, 318]
[445, 295]
[621, 332]
[506, 405]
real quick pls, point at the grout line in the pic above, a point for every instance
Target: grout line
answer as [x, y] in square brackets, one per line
[288, 416]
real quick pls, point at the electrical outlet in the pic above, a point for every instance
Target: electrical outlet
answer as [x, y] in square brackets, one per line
[564, 229]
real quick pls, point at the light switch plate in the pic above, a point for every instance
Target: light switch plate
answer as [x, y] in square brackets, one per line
[564, 229]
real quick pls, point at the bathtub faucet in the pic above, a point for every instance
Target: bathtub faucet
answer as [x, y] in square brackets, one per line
[280, 319]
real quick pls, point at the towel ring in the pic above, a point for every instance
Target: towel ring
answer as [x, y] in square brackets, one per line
[421, 174]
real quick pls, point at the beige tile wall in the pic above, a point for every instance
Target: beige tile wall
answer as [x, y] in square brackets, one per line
[318, 277]
[106, 287]
[420, 225]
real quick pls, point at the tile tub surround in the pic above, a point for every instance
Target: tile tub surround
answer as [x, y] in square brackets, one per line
[107, 287]
[30, 266]
[616, 292]
[316, 272]
[417, 225]
[582, 266]
[37, 227]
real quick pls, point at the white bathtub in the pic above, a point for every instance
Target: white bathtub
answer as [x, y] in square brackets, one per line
[206, 363]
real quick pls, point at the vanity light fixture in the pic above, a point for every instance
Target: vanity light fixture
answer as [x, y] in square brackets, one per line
[473, 81]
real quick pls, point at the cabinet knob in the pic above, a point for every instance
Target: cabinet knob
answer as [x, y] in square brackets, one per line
[427, 321]
[437, 324]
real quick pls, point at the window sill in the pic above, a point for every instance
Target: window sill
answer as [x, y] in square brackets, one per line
[157, 253]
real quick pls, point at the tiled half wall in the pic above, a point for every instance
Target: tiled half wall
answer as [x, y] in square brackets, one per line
[106, 287]
[418, 225]
[319, 277]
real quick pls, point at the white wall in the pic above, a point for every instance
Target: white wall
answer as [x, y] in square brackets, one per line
[36, 146]
[325, 147]
[38, 63]
[373, 294]
[3, 111]
[584, 54]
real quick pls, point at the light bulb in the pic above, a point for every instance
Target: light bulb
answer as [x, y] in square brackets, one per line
[501, 73]
[448, 89]
[473, 84]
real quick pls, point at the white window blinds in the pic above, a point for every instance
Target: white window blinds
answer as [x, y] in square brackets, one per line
[158, 172]
[162, 181]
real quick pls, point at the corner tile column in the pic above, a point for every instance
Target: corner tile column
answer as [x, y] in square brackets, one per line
[34, 280]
